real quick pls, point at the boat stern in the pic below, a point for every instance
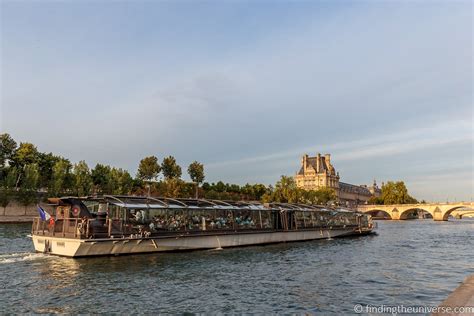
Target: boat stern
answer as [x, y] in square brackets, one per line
[56, 246]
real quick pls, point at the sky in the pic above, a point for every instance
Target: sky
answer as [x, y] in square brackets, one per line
[248, 87]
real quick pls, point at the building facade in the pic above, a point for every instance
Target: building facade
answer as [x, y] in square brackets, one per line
[318, 172]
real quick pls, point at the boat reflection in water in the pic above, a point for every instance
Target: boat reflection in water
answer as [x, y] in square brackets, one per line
[113, 225]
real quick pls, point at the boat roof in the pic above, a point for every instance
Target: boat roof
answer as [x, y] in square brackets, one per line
[148, 202]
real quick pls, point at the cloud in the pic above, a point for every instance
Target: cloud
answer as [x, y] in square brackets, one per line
[246, 93]
[439, 134]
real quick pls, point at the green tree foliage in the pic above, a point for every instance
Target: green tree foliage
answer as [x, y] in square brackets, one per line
[196, 173]
[220, 187]
[321, 196]
[82, 179]
[172, 187]
[101, 179]
[26, 154]
[396, 193]
[7, 187]
[7, 149]
[108, 180]
[286, 191]
[375, 200]
[46, 163]
[226, 191]
[61, 179]
[58, 176]
[122, 181]
[253, 192]
[29, 184]
[170, 169]
[148, 169]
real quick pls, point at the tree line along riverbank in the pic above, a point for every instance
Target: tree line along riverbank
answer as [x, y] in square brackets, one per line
[28, 176]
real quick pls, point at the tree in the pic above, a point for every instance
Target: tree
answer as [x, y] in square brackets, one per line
[61, 178]
[7, 149]
[25, 154]
[234, 188]
[219, 187]
[173, 187]
[148, 169]
[82, 179]
[375, 200]
[325, 195]
[196, 173]
[286, 191]
[258, 190]
[396, 193]
[46, 163]
[101, 179]
[7, 187]
[29, 184]
[122, 180]
[267, 197]
[206, 186]
[170, 169]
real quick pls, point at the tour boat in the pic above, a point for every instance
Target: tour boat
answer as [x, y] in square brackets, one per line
[116, 225]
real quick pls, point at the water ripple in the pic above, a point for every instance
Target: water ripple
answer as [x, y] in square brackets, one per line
[410, 263]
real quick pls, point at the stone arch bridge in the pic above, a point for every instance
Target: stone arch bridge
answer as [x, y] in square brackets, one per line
[439, 211]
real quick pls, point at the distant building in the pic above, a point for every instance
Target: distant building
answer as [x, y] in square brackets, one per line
[318, 172]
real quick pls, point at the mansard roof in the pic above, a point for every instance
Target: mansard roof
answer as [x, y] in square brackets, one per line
[311, 161]
[351, 188]
[301, 172]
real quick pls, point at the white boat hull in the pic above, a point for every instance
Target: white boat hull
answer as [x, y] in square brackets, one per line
[102, 247]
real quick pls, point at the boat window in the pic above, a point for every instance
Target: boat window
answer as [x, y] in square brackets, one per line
[246, 219]
[266, 219]
[139, 217]
[210, 219]
[313, 219]
[308, 221]
[115, 212]
[62, 212]
[320, 218]
[163, 220]
[219, 219]
[299, 218]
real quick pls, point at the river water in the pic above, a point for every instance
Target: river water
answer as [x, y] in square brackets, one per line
[412, 263]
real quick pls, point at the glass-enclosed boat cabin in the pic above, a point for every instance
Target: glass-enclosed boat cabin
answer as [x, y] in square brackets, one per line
[112, 216]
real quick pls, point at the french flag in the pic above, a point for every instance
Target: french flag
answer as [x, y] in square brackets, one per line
[43, 214]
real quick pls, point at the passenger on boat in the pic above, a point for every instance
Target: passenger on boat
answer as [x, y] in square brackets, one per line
[152, 226]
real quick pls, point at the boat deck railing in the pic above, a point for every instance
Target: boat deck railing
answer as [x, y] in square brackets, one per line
[94, 228]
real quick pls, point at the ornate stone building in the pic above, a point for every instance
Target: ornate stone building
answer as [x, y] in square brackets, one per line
[318, 172]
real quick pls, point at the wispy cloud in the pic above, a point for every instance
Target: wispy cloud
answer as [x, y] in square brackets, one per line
[439, 134]
[246, 90]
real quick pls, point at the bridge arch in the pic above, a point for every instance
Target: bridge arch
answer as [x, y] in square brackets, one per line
[378, 212]
[461, 215]
[404, 214]
[449, 211]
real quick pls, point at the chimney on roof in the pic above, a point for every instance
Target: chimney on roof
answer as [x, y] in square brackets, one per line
[318, 163]
[327, 157]
[305, 162]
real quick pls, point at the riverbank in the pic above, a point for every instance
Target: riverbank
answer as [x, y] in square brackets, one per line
[16, 219]
[461, 299]
[18, 213]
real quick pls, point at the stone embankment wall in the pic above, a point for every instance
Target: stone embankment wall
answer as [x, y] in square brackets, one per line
[461, 301]
[17, 213]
